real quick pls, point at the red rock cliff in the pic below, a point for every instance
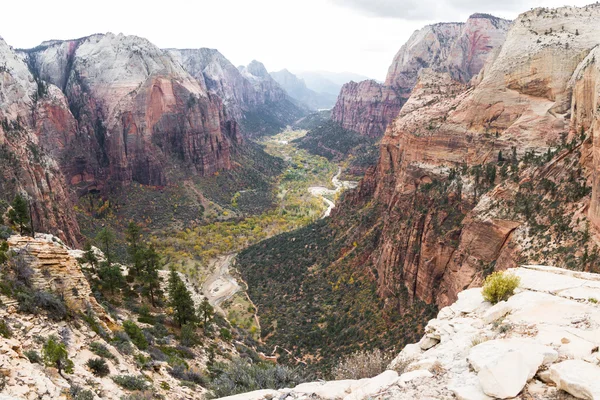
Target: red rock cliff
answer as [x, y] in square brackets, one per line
[137, 110]
[458, 48]
[473, 178]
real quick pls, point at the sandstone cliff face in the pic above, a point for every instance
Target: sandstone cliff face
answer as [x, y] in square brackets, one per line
[220, 76]
[36, 126]
[250, 94]
[137, 111]
[531, 118]
[56, 269]
[460, 49]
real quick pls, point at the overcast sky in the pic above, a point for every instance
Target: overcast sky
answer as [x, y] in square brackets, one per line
[358, 36]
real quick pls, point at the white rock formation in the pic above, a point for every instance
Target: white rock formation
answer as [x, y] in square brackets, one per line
[542, 340]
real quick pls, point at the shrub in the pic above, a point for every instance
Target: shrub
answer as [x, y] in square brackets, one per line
[240, 376]
[79, 393]
[55, 355]
[5, 330]
[32, 303]
[136, 334]
[123, 343]
[499, 286]
[131, 382]
[189, 337]
[33, 356]
[362, 364]
[101, 350]
[188, 374]
[98, 366]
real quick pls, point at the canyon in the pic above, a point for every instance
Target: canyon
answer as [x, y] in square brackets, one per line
[488, 159]
[96, 114]
[484, 168]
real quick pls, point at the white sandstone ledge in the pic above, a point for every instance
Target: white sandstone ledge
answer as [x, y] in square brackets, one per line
[545, 338]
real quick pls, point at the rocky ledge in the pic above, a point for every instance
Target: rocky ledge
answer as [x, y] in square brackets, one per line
[539, 344]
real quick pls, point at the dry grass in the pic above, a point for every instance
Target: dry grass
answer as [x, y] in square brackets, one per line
[362, 364]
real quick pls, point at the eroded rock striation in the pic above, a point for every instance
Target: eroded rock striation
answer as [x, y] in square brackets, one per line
[36, 126]
[138, 111]
[468, 173]
[460, 49]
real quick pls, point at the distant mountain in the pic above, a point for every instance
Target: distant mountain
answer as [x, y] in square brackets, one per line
[250, 95]
[328, 82]
[297, 89]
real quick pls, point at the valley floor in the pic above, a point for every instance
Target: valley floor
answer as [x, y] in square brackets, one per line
[305, 191]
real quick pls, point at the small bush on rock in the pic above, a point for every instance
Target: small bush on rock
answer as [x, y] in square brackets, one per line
[131, 382]
[362, 364]
[136, 334]
[101, 350]
[33, 356]
[98, 366]
[79, 393]
[5, 330]
[499, 286]
[239, 376]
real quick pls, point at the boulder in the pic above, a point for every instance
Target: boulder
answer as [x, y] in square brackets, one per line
[373, 386]
[579, 378]
[326, 390]
[504, 366]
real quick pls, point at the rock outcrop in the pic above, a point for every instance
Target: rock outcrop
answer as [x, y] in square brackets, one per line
[56, 269]
[460, 49]
[36, 126]
[542, 340]
[250, 94]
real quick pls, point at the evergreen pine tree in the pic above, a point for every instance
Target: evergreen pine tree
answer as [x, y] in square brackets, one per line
[181, 300]
[149, 273]
[136, 253]
[19, 213]
[106, 237]
[206, 312]
[55, 355]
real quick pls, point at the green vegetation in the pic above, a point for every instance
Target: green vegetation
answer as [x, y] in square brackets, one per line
[131, 382]
[101, 350]
[33, 356]
[181, 300]
[98, 366]
[328, 139]
[5, 330]
[315, 301]
[499, 286]
[190, 250]
[135, 334]
[271, 117]
[55, 355]
[239, 376]
[19, 214]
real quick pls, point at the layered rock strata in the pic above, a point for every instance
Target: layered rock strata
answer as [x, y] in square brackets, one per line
[460, 49]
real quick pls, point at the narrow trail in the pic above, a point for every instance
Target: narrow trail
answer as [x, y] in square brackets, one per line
[220, 285]
[321, 191]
